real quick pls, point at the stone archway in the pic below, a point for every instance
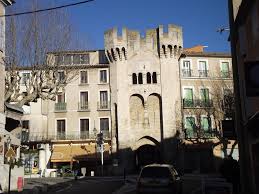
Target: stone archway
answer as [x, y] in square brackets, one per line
[147, 151]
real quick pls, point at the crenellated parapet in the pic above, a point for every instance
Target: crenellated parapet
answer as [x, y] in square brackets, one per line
[166, 42]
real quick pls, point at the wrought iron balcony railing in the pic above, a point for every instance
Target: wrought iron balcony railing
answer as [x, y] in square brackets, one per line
[226, 74]
[103, 105]
[187, 73]
[83, 106]
[203, 73]
[201, 134]
[60, 106]
[188, 103]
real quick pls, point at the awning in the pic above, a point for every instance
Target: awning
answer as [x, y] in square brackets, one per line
[81, 152]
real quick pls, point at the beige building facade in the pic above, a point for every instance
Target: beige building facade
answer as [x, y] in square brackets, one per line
[141, 92]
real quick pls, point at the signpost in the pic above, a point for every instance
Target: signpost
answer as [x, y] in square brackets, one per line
[11, 155]
[100, 143]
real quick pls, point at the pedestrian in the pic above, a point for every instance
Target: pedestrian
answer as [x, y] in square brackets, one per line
[75, 169]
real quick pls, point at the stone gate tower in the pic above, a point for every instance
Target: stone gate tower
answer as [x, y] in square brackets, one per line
[145, 90]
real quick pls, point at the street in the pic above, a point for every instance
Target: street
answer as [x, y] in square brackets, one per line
[105, 185]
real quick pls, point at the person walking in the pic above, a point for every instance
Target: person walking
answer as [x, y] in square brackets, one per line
[76, 168]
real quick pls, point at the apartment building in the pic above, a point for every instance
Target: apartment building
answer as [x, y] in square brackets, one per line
[147, 95]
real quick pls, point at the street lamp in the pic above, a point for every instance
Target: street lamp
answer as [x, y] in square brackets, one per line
[95, 137]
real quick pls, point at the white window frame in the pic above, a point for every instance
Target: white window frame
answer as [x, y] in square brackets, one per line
[186, 59]
[80, 77]
[79, 125]
[209, 88]
[108, 94]
[56, 126]
[64, 96]
[198, 64]
[188, 87]
[99, 76]
[185, 116]
[225, 61]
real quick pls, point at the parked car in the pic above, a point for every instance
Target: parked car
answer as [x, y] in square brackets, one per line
[159, 178]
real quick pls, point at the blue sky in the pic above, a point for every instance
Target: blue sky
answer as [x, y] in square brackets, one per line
[199, 18]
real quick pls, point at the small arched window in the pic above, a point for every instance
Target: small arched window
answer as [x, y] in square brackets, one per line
[134, 78]
[140, 78]
[148, 78]
[154, 78]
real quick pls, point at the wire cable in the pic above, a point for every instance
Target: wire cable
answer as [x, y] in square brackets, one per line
[47, 9]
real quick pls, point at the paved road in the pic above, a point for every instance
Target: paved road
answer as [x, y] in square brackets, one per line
[90, 186]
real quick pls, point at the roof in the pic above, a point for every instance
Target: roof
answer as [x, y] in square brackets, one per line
[207, 54]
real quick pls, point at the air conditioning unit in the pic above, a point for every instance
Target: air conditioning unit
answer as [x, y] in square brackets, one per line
[40, 146]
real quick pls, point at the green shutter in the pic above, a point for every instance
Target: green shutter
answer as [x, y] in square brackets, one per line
[188, 97]
[205, 124]
[205, 96]
[190, 126]
[225, 69]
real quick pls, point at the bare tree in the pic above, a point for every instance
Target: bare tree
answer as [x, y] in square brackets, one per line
[218, 107]
[31, 42]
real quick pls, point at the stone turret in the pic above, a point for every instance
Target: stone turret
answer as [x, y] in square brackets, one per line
[166, 44]
[145, 86]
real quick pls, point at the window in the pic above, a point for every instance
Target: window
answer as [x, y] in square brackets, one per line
[190, 126]
[83, 100]
[148, 78]
[134, 78]
[25, 78]
[186, 70]
[203, 69]
[103, 100]
[61, 98]
[76, 59]
[205, 100]
[205, 124]
[83, 77]
[61, 76]
[67, 59]
[103, 76]
[84, 128]
[140, 78]
[154, 78]
[61, 129]
[84, 59]
[225, 70]
[188, 97]
[104, 127]
[25, 124]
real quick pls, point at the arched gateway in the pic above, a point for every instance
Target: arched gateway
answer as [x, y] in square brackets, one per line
[147, 151]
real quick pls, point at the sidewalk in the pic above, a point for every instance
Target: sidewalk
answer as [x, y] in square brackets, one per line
[41, 185]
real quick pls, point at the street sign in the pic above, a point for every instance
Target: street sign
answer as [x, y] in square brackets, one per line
[10, 153]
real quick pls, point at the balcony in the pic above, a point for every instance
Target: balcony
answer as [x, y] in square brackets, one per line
[103, 105]
[83, 106]
[226, 74]
[61, 107]
[187, 103]
[187, 73]
[203, 73]
[200, 134]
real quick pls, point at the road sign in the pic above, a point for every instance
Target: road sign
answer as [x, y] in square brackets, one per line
[10, 153]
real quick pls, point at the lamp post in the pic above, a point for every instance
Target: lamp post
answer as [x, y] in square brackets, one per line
[95, 134]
